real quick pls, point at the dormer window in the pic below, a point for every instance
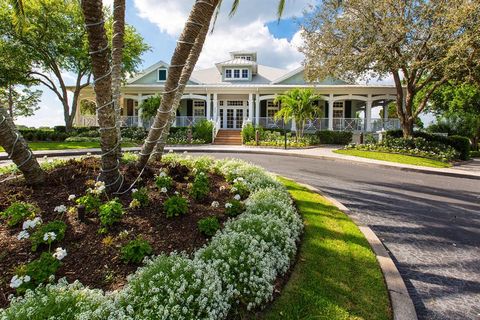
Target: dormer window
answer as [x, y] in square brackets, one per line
[162, 75]
[249, 58]
[236, 73]
[228, 73]
[245, 73]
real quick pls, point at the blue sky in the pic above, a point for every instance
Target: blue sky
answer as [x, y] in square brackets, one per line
[160, 23]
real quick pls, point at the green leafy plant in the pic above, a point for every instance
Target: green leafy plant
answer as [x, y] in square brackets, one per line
[110, 212]
[163, 181]
[39, 237]
[175, 206]
[38, 271]
[200, 186]
[141, 196]
[240, 187]
[208, 226]
[202, 130]
[136, 250]
[18, 212]
[90, 202]
[234, 207]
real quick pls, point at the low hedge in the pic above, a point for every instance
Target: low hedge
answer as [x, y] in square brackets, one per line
[459, 143]
[335, 137]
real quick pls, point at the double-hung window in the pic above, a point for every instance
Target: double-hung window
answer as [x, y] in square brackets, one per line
[244, 73]
[236, 73]
[228, 73]
[198, 108]
[272, 108]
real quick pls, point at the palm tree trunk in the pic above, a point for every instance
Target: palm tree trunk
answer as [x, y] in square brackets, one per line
[100, 55]
[200, 16]
[117, 54]
[186, 73]
[18, 150]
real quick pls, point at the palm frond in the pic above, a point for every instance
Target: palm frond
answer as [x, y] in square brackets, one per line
[234, 8]
[280, 9]
[215, 15]
[17, 6]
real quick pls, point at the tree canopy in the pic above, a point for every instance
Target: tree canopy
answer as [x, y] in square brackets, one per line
[54, 37]
[411, 41]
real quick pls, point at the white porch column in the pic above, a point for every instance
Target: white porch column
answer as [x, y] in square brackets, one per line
[330, 111]
[250, 107]
[208, 103]
[140, 120]
[368, 114]
[257, 109]
[215, 107]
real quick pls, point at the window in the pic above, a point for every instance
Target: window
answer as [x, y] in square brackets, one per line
[245, 73]
[236, 73]
[244, 57]
[221, 103]
[162, 74]
[271, 108]
[338, 109]
[198, 108]
[228, 74]
[235, 103]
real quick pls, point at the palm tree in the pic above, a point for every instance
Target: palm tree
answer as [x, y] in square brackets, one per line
[299, 105]
[201, 14]
[186, 73]
[18, 150]
[100, 55]
[117, 54]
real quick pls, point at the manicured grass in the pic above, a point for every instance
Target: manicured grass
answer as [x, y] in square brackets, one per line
[393, 157]
[55, 145]
[337, 275]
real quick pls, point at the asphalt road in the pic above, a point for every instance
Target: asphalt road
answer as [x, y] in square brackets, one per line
[429, 223]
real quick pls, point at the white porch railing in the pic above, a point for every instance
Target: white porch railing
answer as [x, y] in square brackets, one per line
[216, 128]
[318, 124]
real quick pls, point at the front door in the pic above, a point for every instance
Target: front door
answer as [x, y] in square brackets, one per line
[231, 118]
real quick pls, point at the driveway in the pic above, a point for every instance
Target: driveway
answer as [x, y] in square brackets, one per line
[429, 223]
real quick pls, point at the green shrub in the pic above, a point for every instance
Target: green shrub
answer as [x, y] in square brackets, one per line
[208, 226]
[141, 196]
[234, 207]
[45, 134]
[19, 211]
[248, 133]
[134, 133]
[474, 154]
[110, 212]
[462, 145]
[335, 137]
[202, 130]
[175, 206]
[136, 250]
[38, 237]
[200, 187]
[163, 181]
[90, 202]
[38, 270]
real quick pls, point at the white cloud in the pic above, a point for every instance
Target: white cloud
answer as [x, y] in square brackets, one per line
[245, 31]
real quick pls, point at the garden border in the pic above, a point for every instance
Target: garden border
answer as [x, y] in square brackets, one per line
[401, 302]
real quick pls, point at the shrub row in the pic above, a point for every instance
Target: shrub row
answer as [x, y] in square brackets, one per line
[335, 137]
[459, 143]
[237, 267]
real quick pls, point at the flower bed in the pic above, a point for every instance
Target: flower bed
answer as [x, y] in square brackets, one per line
[237, 268]
[415, 147]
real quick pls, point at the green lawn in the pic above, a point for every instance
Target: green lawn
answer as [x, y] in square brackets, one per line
[393, 157]
[54, 145]
[337, 275]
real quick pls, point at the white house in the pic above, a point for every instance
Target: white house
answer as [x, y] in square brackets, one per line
[240, 89]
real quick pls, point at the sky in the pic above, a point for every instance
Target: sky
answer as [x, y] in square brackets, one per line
[254, 27]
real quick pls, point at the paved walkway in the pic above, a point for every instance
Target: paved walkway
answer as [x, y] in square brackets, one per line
[468, 169]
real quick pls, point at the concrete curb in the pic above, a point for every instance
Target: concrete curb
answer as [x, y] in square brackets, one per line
[402, 305]
[80, 152]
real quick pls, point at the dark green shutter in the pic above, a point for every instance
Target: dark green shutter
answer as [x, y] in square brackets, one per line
[189, 107]
[326, 110]
[348, 109]
[263, 108]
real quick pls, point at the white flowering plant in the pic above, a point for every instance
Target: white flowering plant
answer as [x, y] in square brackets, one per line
[48, 233]
[174, 287]
[238, 266]
[141, 195]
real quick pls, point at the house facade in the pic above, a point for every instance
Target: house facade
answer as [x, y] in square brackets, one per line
[241, 90]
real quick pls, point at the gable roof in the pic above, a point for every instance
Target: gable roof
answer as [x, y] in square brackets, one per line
[153, 68]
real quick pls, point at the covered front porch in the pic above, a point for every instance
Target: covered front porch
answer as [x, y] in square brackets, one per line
[336, 112]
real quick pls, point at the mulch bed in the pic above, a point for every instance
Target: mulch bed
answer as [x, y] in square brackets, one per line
[90, 259]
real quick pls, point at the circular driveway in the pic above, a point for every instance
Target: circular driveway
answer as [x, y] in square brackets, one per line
[430, 224]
